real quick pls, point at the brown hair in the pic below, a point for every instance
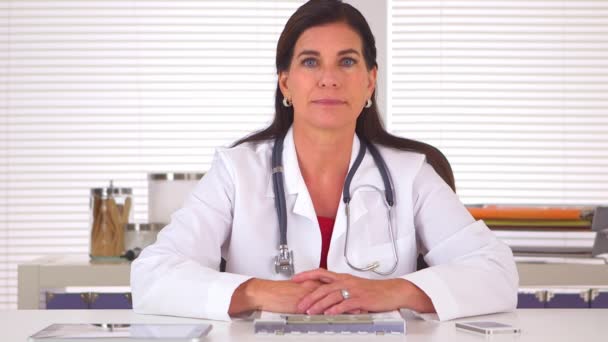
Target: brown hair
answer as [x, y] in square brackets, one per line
[369, 126]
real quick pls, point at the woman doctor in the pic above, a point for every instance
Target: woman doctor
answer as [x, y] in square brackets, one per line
[344, 260]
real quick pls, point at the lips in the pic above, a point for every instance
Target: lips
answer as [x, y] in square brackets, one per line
[329, 102]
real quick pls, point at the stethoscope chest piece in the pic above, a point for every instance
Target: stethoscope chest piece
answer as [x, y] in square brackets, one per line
[283, 262]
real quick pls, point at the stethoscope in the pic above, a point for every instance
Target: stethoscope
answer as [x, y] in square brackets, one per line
[284, 260]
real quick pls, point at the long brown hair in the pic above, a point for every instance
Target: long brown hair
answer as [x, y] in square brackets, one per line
[369, 126]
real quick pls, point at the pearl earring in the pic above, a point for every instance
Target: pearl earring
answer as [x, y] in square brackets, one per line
[286, 102]
[368, 104]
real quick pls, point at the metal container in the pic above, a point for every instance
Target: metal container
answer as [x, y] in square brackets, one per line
[167, 192]
[110, 209]
[140, 235]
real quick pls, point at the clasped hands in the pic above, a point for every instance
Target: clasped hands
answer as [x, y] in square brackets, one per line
[320, 292]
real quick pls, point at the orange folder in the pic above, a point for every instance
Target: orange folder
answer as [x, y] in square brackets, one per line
[528, 213]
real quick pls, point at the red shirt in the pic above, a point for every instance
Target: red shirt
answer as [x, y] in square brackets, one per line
[327, 226]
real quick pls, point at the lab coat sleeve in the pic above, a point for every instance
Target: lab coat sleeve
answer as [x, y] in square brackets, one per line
[471, 272]
[179, 274]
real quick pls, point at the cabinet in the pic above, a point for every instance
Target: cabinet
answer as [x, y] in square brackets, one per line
[73, 282]
[106, 285]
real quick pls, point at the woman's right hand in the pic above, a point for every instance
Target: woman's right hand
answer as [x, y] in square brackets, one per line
[270, 295]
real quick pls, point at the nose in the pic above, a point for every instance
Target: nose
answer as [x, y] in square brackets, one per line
[329, 78]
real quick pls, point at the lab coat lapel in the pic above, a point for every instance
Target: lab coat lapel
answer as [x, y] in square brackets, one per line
[357, 207]
[367, 174]
[304, 239]
[294, 182]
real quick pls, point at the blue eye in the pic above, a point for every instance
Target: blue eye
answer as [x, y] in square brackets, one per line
[309, 62]
[348, 62]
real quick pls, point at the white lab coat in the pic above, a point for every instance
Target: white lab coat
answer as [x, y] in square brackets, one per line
[231, 214]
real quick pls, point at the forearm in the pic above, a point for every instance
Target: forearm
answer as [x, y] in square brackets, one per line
[410, 296]
[245, 298]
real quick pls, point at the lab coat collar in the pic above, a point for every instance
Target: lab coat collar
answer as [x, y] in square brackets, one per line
[292, 177]
[295, 185]
[294, 182]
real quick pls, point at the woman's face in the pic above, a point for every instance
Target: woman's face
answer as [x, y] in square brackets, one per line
[328, 81]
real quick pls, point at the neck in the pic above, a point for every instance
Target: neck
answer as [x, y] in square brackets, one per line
[323, 153]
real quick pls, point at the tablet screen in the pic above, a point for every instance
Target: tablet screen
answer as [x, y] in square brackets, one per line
[132, 331]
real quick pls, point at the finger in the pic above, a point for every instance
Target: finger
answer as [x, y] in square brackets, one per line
[355, 312]
[320, 274]
[325, 303]
[346, 305]
[322, 291]
[311, 284]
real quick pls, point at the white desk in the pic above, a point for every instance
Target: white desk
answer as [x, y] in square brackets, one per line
[537, 325]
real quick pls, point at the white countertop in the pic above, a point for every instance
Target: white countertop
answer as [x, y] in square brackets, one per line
[554, 325]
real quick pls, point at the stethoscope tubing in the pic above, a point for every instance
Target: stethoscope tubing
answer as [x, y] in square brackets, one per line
[278, 187]
[280, 202]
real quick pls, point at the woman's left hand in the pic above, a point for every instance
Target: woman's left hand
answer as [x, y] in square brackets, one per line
[365, 294]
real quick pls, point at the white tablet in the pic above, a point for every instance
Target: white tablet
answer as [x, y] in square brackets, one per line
[102, 332]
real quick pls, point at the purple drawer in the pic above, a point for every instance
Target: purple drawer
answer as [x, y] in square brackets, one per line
[530, 301]
[599, 299]
[578, 299]
[110, 301]
[67, 301]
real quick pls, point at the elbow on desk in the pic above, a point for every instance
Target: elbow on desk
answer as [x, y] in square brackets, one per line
[495, 283]
[513, 276]
[510, 278]
[151, 287]
[169, 285]
[141, 283]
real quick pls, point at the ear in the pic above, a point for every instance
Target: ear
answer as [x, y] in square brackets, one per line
[372, 77]
[283, 76]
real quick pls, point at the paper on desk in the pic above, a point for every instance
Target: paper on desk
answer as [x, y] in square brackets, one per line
[408, 314]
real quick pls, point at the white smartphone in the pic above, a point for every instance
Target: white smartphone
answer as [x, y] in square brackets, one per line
[99, 332]
[488, 328]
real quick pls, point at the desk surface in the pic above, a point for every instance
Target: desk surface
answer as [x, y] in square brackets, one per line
[554, 325]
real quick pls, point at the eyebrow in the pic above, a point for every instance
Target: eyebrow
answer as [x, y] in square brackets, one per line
[340, 53]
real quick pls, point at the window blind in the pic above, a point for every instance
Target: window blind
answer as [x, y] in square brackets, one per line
[94, 91]
[515, 93]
